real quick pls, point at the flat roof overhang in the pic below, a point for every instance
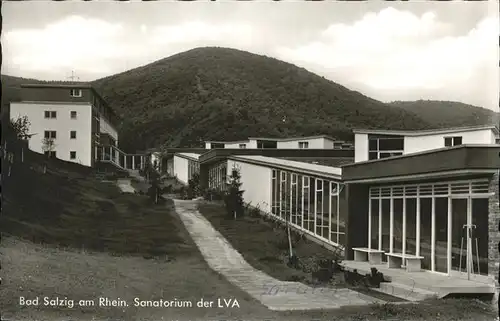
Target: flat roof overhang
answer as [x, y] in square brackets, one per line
[188, 157]
[290, 166]
[464, 160]
[168, 152]
[214, 155]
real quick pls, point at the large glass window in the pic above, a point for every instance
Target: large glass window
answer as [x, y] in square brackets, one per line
[385, 146]
[426, 231]
[386, 224]
[480, 235]
[273, 192]
[342, 220]
[319, 206]
[411, 226]
[326, 210]
[284, 203]
[441, 234]
[334, 221]
[397, 239]
[374, 224]
[293, 207]
[300, 195]
[308, 214]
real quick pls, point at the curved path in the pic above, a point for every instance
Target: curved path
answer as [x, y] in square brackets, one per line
[275, 294]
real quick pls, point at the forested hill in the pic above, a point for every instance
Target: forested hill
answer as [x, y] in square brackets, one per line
[449, 113]
[226, 94]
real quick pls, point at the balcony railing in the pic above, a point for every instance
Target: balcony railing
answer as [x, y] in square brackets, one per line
[116, 156]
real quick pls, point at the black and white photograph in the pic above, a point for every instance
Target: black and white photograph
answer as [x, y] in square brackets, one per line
[250, 161]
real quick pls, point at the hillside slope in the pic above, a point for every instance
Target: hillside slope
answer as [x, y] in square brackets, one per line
[449, 113]
[69, 207]
[227, 94]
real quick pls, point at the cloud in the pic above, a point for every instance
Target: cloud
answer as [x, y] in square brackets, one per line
[98, 48]
[396, 51]
[200, 32]
[67, 43]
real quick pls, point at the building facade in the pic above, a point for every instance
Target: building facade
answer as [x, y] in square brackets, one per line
[428, 194]
[309, 142]
[74, 117]
[377, 144]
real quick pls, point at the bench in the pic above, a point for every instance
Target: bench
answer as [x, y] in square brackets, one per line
[413, 262]
[363, 254]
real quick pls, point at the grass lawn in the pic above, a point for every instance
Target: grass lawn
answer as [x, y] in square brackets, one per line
[263, 246]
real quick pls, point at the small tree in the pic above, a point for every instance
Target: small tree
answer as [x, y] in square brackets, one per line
[234, 195]
[21, 127]
[155, 180]
[48, 146]
[194, 186]
[155, 189]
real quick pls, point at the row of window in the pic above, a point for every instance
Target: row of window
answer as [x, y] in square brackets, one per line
[52, 134]
[217, 176]
[383, 147]
[302, 145]
[52, 154]
[309, 203]
[49, 114]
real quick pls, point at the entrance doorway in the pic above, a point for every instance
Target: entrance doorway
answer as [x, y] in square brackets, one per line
[469, 250]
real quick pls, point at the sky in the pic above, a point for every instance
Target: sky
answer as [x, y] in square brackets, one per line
[386, 50]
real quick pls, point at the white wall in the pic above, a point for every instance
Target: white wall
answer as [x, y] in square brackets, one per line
[315, 143]
[415, 144]
[106, 127]
[62, 124]
[360, 147]
[208, 145]
[256, 183]
[236, 145]
[181, 169]
[421, 143]
[328, 143]
[252, 143]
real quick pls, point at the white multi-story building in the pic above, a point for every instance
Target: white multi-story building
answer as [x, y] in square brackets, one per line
[377, 144]
[74, 116]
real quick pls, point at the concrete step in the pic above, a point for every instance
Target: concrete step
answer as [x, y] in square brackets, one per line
[405, 291]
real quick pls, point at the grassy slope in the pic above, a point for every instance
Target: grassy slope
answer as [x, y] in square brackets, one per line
[41, 207]
[67, 234]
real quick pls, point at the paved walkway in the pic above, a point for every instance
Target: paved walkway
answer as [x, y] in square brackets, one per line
[125, 185]
[275, 294]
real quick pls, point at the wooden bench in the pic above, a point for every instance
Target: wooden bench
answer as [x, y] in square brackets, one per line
[413, 262]
[363, 254]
